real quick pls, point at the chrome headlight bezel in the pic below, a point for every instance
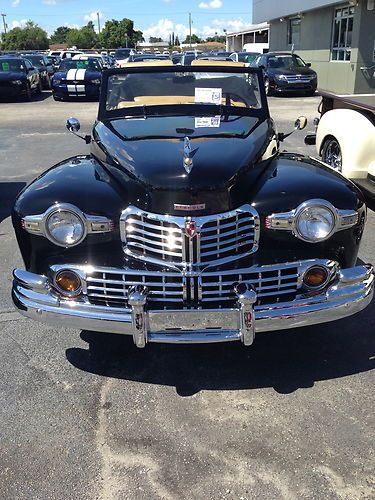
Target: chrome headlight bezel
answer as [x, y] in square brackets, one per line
[324, 206]
[288, 221]
[91, 224]
[70, 209]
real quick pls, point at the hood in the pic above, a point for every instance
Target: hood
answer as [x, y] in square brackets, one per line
[78, 74]
[152, 150]
[303, 70]
[14, 75]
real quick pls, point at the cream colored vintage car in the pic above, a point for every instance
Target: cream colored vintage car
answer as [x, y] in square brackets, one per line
[345, 138]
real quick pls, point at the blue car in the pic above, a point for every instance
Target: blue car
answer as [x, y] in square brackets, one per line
[77, 77]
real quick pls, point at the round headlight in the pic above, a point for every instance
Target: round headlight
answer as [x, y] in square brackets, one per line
[65, 227]
[315, 223]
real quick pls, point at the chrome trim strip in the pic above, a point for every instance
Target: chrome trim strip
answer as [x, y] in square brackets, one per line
[351, 293]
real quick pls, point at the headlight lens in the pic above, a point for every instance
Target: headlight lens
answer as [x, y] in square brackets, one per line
[280, 77]
[96, 81]
[17, 82]
[315, 223]
[56, 82]
[65, 228]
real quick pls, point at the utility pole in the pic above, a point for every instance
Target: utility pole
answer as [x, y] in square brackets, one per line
[190, 27]
[98, 22]
[4, 23]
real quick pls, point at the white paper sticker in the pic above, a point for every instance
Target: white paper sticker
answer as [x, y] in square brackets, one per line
[208, 96]
[207, 121]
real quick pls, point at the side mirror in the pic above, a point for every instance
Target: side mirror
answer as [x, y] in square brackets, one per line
[32, 68]
[300, 123]
[73, 125]
[262, 66]
[308, 65]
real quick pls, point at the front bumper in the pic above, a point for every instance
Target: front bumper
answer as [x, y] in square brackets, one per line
[350, 293]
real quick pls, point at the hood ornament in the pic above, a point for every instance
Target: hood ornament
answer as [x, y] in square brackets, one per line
[190, 228]
[188, 155]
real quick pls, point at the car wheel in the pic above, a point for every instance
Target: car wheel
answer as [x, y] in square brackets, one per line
[56, 98]
[331, 154]
[267, 86]
[28, 94]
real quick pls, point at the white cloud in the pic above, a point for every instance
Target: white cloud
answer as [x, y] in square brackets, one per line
[93, 16]
[213, 4]
[18, 24]
[218, 25]
[163, 28]
[16, 3]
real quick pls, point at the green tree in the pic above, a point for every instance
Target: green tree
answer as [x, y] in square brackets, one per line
[120, 34]
[176, 41]
[60, 34]
[84, 38]
[30, 37]
[220, 39]
[194, 39]
[155, 39]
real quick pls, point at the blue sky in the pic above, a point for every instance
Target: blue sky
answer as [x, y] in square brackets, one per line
[153, 17]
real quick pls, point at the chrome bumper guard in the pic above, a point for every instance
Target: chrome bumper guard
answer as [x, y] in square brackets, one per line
[350, 293]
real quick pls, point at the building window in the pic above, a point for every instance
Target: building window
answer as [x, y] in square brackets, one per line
[342, 34]
[294, 31]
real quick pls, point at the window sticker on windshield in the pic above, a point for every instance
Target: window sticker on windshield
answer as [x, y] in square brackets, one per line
[207, 121]
[208, 96]
[5, 66]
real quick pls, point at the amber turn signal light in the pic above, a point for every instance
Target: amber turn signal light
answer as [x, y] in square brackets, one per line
[315, 277]
[68, 282]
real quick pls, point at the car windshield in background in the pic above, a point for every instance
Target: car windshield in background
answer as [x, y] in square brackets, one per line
[35, 60]
[91, 64]
[8, 65]
[286, 61]
[247, 58]
[122, 53]
[201, 86]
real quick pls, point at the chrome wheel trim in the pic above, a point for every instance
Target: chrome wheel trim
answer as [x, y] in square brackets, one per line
[332, 154]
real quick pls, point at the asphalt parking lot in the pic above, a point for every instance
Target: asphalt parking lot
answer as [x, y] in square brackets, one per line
[88, 416]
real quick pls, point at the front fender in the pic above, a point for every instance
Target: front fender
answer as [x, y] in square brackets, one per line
[81, 181]
[356, 135]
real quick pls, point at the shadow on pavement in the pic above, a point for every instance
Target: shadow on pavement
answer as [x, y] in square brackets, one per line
[285, 360]
[8, 193]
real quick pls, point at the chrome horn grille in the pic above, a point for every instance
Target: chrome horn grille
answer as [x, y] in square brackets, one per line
[190, 241]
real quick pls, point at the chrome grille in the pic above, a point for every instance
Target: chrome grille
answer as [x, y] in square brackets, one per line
[298, 79]
[111, 286]
[161, 239]
[226, 237]
[270, 284]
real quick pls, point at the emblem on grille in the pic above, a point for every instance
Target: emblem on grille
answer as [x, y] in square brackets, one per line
[190, 228]
[188, 154]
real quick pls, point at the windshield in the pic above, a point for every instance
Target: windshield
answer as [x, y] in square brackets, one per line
[35, 60]
[199, 87]
[285, 61]
[247, 58]
[7, 65]
[122, 53]
[91, 64]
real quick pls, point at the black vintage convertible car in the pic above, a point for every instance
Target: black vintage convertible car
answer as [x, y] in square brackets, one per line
[186, 223]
